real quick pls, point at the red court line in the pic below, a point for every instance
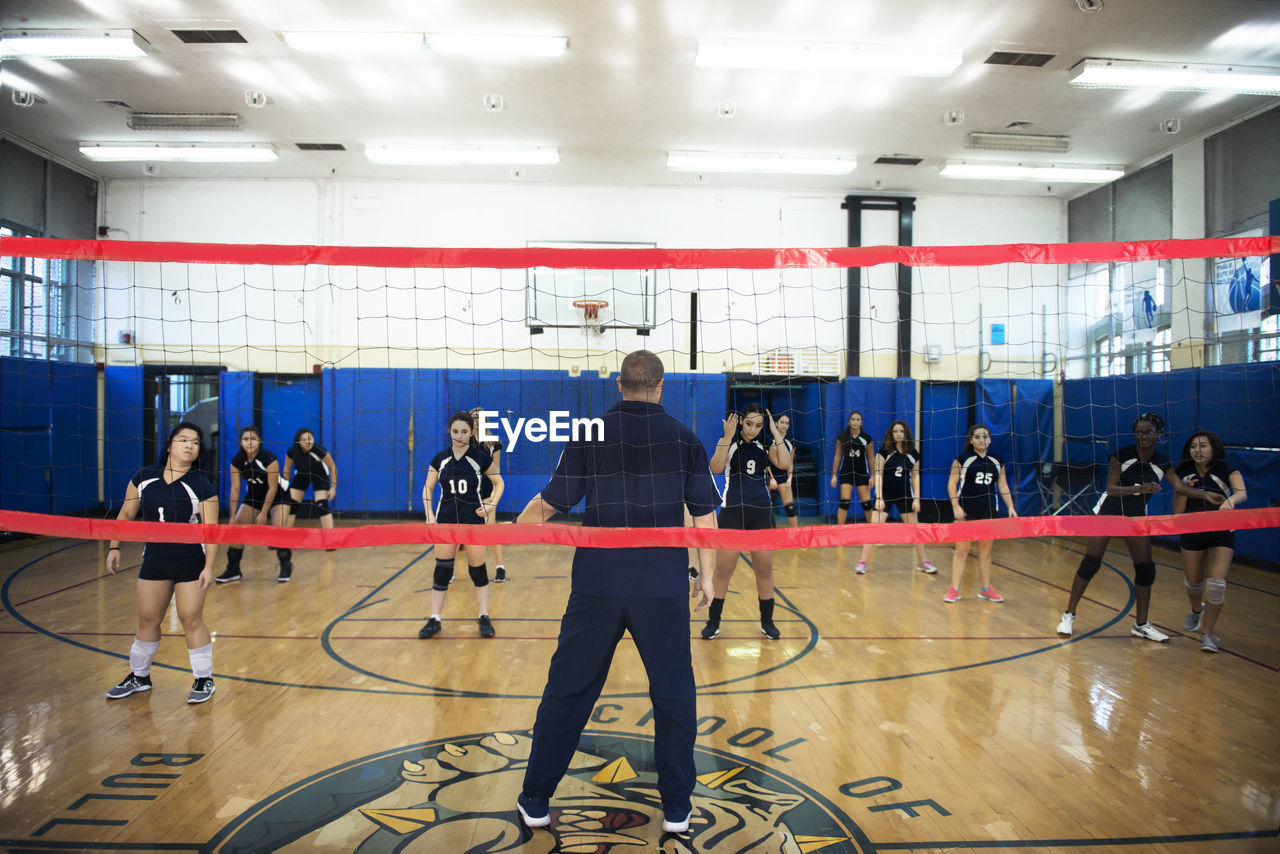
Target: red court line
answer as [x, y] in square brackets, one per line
[634, 259]
[810, 536]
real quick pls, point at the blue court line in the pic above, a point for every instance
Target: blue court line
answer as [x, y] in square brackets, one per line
[1078, 843]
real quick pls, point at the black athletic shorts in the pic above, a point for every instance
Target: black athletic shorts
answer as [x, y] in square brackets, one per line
[903, 504]
[741, 517]
[855, 479]
[780, 477]
[458, 514]
[977, 508]
[178, 573]
[301, 480]
[1207, 540]
[256, 501]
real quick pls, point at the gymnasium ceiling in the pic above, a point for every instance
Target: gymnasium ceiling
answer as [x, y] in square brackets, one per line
[627, 90]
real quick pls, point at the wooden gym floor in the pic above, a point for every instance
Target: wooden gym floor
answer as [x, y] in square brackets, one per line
[883, 720]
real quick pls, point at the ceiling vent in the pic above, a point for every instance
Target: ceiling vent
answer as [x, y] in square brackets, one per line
[112, 102]
[321, 146]
[184, 121]
[1027, 60]
[1018, 142]
[210, 36]
[898, 160]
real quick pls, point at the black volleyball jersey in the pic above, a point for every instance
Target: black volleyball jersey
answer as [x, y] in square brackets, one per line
[309, 462]
[254, 472]
[1133, 472]
[855, 459]
[979, 476]
[460, 477]
[172, 502]
[791, 449]
[895, 480]
[1214, 480]
[745, 483]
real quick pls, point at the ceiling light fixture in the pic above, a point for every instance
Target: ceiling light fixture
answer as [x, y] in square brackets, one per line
[824, 56]
[179, 152]
[1021, 172]
[782, 164]
[352, 42]
[480, 44]
[72, 44]
[999, 141]
[1175, 76]
[461, 155]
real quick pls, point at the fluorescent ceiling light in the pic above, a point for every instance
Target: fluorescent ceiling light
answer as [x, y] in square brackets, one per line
[72, 44]
[784, 164]
[1134, 74]
[824, 56]
[352, 42]
[1021, 172]
[179, 152]
[1018, 142]
[477, 44]
[462, 155]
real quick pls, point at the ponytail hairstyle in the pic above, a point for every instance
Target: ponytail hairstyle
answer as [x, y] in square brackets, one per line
[845, 439]
[968, 439]
[1152, 418]
[178, 428]
[752, 409]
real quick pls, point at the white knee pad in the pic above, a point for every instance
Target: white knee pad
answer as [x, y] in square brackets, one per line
[1194, 588]
[1215, 592]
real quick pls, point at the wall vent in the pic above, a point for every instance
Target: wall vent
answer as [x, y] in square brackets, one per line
[321, 146]
[898, 160]
[1026, 60]
[210, 36]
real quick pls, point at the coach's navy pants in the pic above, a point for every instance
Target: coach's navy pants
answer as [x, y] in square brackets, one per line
[589, 633]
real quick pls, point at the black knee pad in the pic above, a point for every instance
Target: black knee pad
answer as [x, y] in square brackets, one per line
[868, 505]
[1144, 574]
[323, 507]
[479, 575]
[790, 510]
[444, 572]
[1089, 566]
[844, 504]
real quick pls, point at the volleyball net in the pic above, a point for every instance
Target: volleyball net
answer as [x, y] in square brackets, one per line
[1056, 348]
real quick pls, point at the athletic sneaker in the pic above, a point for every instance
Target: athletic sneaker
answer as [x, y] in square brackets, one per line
[500, 573]
[927, 567]
[430, 630]
[536, 812]
[771, 632]
[1148, 631]
[132, 684]
[861, 568]
[486, 626]
[710, 630]
[1192, 622]
[229, 574]
[1208, 643]
[201, 690]
[952, 596]
[1066, 624]
[285, 573]
[676, 822]
[990, 594]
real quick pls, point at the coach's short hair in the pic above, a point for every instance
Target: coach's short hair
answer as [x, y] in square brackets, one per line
[641, 372]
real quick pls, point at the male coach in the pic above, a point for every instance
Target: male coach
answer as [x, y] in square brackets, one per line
[643, 474]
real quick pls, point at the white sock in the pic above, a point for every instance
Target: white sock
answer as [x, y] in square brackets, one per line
[201, 660]
[140, 656]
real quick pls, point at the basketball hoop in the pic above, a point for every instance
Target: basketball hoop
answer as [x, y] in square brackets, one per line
[591, 320]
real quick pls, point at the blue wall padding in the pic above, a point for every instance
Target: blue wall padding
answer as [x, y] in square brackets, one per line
[1019, 414]
[944, 421]
[235, 410]
[25, 434]
[74, 416]
[880, 401]
[124, 404]
[1241, 403]
[289, 403]
[368, 435]
[1261, 473]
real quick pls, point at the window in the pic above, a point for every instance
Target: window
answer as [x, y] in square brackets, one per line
[45, 304]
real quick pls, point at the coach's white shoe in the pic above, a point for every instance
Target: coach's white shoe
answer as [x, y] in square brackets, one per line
[1148, 631]
[1066, 624]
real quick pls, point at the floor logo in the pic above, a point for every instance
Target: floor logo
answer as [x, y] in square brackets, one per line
[459, 794]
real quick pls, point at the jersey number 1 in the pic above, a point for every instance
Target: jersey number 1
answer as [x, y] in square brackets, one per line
[458, 487]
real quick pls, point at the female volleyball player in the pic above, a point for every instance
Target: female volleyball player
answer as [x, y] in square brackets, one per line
[1212, 485]
[746, 451]
[780, 478]
[897, 487]
[263, 501]
[173, 491]
[494, 447]
[460, 469]
[851, 467]
[977, 475]
[1134, 473]
[312, 467]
